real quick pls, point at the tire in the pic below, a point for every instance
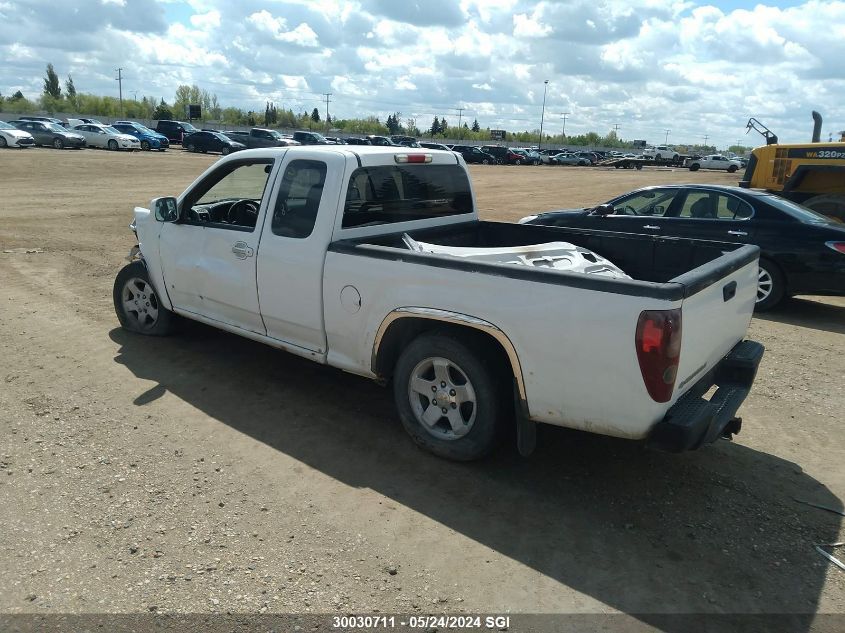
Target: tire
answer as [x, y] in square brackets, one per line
[3, 142]
[732, 169]
[113, 145]
[694, 167]
[485, 162]
[145, 145]
[136, 303]
[432, 361]
[517, 162]
[225, 151]
[58, 143]
[771, 286]
[639, 166]
[656, 156]
[832, 205]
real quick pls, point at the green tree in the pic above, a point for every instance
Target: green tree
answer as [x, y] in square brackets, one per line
[162, 111]
[18, 95]
[435, 127]
[70, 89]
[51, 83]
[315, 115]
[475, 126]
[185, 96]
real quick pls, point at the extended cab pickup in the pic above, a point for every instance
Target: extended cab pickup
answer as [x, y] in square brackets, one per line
[373, 260]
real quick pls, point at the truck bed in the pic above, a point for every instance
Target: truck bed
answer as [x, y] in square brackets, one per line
[661, 267]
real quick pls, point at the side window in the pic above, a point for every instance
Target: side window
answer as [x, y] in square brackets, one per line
[699, 205]
[646, 203]
[730, 208]
[299, 197]
[229, 198]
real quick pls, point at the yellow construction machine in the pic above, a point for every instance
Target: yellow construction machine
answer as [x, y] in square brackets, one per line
[812, 174]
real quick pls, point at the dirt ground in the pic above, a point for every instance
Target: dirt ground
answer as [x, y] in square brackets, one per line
[208, 473]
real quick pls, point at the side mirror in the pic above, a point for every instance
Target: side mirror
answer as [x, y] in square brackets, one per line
[604, 209]
[166, 209]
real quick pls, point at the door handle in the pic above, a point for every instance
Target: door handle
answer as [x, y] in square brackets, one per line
[737, 233]
[651, 227]
[242, 250]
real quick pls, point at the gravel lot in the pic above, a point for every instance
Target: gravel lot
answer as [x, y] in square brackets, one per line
[207, 473]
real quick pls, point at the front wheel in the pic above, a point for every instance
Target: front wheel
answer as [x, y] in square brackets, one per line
[485, 161]
[770, 286]
[657, 157]
[113, 145]
[448, 397]
[732, 169]
[694, 167]
[145, 145]
[136, 303]
[225, 151]
[58, 143]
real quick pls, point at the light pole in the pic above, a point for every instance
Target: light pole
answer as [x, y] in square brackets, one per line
[543, 114]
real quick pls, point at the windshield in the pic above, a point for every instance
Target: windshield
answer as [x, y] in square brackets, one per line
[277, 135]
[55, 127]
[6, 126]
[188, 127]
[801, 213]
[109, 128]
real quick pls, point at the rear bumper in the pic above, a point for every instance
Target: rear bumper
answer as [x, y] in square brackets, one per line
[693, 421]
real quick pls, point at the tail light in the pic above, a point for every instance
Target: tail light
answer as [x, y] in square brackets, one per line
[412, 158]
[658, 342]
[837, 246]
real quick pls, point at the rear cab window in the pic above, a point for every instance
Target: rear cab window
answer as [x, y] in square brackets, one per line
[389, 194]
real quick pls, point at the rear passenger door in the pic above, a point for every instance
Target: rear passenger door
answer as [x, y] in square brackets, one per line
[711, 215]
[296, 234]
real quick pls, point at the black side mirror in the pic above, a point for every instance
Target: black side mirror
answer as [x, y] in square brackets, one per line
[604, 209]
[166, 210]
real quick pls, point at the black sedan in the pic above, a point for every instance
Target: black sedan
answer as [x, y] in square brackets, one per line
[802, 252]
[474, 154]
[51, 134]
[208, 141]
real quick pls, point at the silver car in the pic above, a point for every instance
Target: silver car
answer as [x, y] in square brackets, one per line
[107, 137]
[570, 159]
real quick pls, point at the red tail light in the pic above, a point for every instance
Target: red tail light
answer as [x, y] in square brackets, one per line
[837, 246]
[658, 342]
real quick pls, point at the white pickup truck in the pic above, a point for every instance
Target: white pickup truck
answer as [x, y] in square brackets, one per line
[373, 260]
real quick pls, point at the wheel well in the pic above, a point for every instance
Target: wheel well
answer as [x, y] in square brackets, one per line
[402, 331]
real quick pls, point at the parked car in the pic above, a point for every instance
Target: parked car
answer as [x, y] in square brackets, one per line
[260, 137]
[591, 157]
[53, 134]
[473, 154]
[715, 161]
[310, 138]
[376, 262]
[382, 141]
[175, 130]
[532, 157]
[336, 140]
[211, 142]
[43, 119]
[802, 252]
[570, 159]
[440, 146]
[411, 143]
[107, 137]
[10, 136]
[400, 139]
[547, 154]
[661, 152]
[503, 155]
[148, 138]
[354, 140]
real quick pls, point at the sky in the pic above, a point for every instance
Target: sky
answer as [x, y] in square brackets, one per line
[641, 67]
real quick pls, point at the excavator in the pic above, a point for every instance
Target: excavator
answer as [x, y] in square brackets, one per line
[811, 174]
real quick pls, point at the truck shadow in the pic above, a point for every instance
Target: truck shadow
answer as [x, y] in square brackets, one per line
[711, 532]
[821, 314]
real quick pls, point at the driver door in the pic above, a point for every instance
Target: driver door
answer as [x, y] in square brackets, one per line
[639, 212]
[209, 256]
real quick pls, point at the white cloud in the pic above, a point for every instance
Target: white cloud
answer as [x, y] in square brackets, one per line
[206, 21]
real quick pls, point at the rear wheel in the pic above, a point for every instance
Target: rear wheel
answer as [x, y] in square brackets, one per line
[770, 286]
[657, 157]
[136, 303]
[831, 205]
[732, 169]
[191, 147]
[113, 145]
[449, 397]
[58, 143]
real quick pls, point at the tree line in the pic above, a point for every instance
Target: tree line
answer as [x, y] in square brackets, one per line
[55, 99]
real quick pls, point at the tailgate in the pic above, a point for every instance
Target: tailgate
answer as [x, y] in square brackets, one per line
[717, 307]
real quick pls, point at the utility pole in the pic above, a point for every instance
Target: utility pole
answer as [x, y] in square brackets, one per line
[616, 129]
[705, 137]
[327, 95]
[563, 131]
[119, 80]
[134, 94]
[666, 142]
[460, 129]
[543, 114]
